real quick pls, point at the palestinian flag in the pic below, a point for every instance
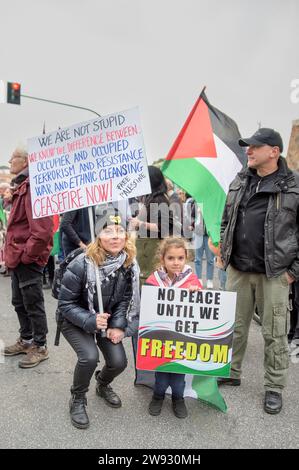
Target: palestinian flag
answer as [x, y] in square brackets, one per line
[56, 236]
[205, 389]
[2, 215]
[202, 388]
[204, 160]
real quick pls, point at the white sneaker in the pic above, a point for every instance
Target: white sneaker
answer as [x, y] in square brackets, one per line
[210, 284]
[294, 349]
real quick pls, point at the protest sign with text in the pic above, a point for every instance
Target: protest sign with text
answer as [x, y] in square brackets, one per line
[86, 164]
[186, 332]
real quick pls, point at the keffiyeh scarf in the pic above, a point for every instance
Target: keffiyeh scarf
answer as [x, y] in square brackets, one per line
[177, 279]
[110, 266]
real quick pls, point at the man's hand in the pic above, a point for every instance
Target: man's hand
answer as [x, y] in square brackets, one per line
[102, 321]
[290, 278]
[116, 335]
[219, 262]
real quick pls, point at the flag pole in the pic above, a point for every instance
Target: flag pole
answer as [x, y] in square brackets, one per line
[202, 91]
[96, 270]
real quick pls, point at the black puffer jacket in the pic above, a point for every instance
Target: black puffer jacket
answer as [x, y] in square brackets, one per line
[73, 297]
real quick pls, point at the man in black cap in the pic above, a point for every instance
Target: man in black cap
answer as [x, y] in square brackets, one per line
[260, 249]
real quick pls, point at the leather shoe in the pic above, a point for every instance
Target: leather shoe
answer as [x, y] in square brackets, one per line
[111, 398]
[273, 402]
[229, 381]
[78, 413]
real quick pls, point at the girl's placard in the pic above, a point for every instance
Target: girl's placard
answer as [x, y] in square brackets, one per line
[186, 332]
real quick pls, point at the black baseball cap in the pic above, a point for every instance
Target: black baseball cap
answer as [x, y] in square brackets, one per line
[263, 136]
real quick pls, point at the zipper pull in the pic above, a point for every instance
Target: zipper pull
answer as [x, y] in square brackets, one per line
[258, 185]
[278, 201]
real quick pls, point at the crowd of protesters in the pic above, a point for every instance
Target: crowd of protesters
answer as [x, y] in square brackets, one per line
[126, 243]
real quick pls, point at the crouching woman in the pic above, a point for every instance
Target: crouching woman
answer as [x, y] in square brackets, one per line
[113, 253]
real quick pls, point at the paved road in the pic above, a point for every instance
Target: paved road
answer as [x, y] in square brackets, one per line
[34, 404]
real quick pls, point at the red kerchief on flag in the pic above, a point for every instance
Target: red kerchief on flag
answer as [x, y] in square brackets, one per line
[205, 158]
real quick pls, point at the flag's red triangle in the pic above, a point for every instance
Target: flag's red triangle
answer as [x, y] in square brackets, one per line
[196, 137]
[55, 223]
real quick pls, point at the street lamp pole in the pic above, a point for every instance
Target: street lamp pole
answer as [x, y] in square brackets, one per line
[59, 102]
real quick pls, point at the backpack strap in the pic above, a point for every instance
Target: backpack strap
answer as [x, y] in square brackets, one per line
[58, 329]
[56, 288]
[59, 321]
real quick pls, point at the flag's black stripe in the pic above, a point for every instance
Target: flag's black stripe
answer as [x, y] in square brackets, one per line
[226, 129]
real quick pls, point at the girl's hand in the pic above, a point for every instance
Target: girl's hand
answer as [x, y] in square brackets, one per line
[194, 288]
[116, 335]
[102, 320]
[134, 223]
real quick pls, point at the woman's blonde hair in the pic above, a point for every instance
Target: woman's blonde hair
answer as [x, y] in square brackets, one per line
[166, 244]
[96, 252]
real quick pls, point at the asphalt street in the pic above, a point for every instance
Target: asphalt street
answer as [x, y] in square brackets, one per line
[34, 404]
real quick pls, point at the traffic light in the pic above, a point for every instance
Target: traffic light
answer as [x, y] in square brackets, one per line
[13, 93]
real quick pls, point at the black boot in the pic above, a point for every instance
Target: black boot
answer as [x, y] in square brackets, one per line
[78, 413]
[106, 392]
[179, 407]
[155, 405]
[229, 381]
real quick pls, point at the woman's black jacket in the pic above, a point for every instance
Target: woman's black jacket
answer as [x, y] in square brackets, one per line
[73, 296]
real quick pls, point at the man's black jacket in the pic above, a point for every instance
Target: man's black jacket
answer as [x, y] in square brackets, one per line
[281, 234]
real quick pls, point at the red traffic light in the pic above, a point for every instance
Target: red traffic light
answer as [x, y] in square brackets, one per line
[13, 93]
[16, 86]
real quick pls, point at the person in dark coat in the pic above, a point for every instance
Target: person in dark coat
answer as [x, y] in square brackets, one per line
[75, 231]
[27, 249]
[113, 255]
[260, 250]
[155, 221]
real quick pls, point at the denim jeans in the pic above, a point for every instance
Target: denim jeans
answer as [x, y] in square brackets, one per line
[198, 260]
[166, 379]
[28, 301]
[222, 278]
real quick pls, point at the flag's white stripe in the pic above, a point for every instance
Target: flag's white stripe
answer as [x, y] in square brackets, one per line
[189, 392]
[225, 167]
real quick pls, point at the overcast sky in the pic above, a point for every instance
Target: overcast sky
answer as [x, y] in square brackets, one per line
[111, 55]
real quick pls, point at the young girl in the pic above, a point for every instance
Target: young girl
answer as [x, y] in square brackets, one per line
[172, 272]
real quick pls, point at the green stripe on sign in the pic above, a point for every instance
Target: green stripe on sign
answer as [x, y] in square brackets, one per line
[181, 369]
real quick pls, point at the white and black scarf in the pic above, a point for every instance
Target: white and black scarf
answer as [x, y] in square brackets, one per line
[110, 266]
